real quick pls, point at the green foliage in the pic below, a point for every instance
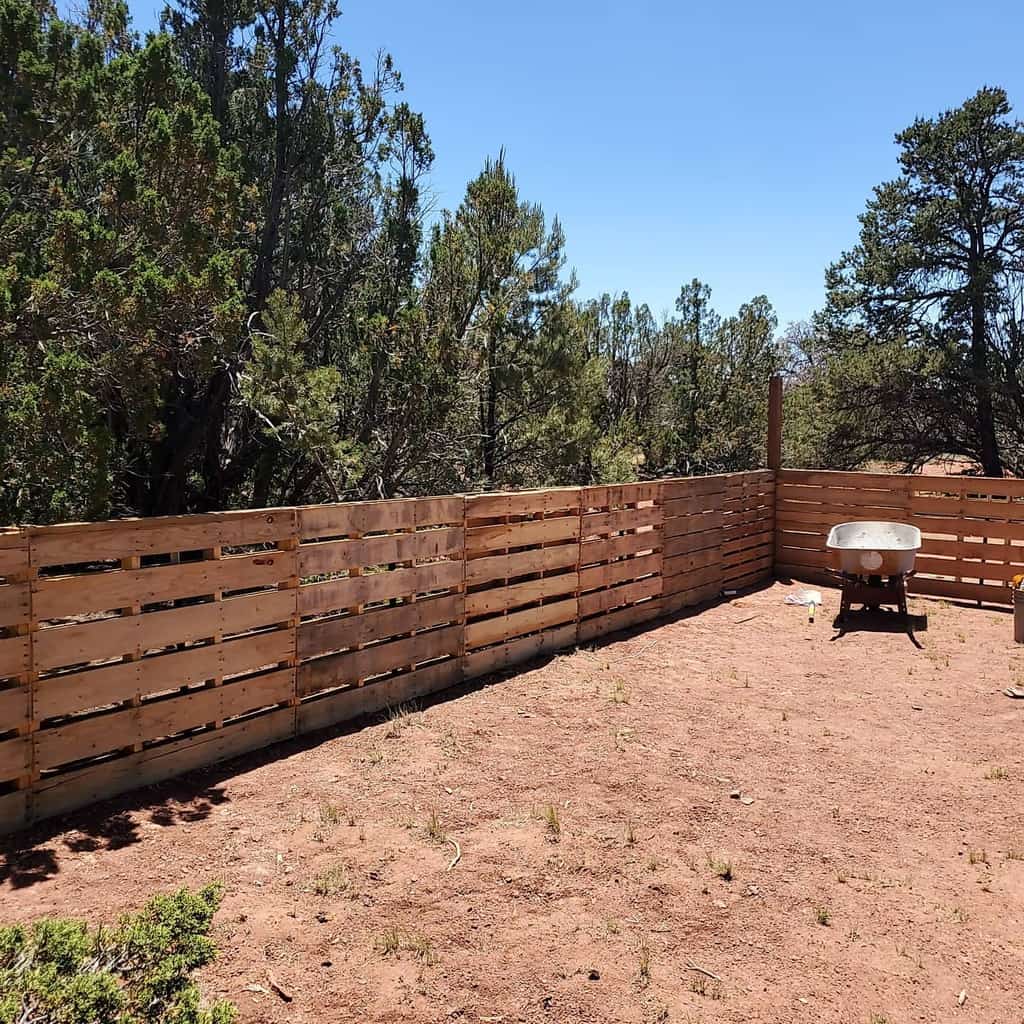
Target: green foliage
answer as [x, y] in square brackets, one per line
[62, 971]
[925, 312]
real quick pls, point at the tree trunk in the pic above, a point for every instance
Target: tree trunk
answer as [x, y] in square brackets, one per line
[991, 463]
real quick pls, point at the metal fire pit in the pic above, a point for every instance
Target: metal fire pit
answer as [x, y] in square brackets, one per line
[873, 561]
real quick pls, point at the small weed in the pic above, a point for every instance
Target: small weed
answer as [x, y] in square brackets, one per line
[399, 718]
[421, 947]
[644, 970]
[878, 1018]
[996, 773]
[612, 926]
[653, 864]
[1014, 854]
[375, 756]
[332, 881]
[823, 916]
[704, 986]
[620, 695]
[977, 856]
[434, 830]
[959, 915]
[721, 867]
[841, 877]
[630, 836]
[329, 814]
[388, 942]
[552, 823]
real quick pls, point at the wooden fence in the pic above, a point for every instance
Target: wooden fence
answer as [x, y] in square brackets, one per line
[972, 528]
[132, 651]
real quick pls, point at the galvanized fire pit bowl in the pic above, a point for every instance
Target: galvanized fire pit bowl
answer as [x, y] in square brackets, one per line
[874, 548]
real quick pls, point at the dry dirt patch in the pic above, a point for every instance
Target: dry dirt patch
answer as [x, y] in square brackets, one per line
[869, 868]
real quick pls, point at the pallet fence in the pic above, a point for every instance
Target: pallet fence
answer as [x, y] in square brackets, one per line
[132, 651]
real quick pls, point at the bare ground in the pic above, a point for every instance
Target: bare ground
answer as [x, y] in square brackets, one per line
[876, 876]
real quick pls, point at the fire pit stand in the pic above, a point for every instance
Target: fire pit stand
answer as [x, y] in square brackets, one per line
[872, 592]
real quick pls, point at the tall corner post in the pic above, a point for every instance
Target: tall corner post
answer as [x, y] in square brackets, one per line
[775, 423]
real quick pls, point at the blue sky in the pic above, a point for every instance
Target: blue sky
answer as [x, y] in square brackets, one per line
[735, 142]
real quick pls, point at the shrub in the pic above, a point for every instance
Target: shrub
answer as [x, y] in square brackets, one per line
[61, 971]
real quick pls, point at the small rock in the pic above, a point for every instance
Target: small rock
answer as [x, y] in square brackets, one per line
[748, 800]
[735, 794]
[593, 974]
[962, 998]
[720, 904]
[916, 707]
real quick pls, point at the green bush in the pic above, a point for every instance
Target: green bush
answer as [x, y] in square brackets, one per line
[59, 971]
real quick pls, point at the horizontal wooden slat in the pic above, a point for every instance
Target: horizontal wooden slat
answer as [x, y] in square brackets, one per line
[700, 523]
[521, 563]
[595, 523]
[14, 604]
[608, 495]
[620, 619]
[691, 486]
[61, 793]
[530, 620]
[689, 562]
[133, 634]
[339, 669]
[316, 598]
[61, 596]
[599, 601]
[519, 503]
[339, 555]
[14, 656]
[123, 538]
[324, 635]
[499, 599]
[616, 572]
[960, 591]
[494, 659]
[681, 545]
[618, 547]
[363, 517]
[15, 755]
[524, 534]
[14, 708]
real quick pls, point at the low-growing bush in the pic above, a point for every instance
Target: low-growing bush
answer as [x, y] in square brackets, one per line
[61, 971]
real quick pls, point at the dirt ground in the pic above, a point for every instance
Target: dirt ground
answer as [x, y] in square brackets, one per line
[877, 874]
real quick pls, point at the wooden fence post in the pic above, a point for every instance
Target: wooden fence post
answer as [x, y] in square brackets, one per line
[775, 423]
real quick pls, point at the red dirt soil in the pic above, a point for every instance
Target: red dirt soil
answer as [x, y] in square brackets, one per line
[875, 876]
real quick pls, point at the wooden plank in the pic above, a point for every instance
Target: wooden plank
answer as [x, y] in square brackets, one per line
[521, 503]
[896, 496]
[616, 621]
[710, 575]
[963, 567]
[520, 563]
[95, 640]
[693, 505]
[14, 604]
[362, 517]
[15, 758]
[618, 547]
[683, 525]
[1008, 553]
[710, 557]
[599, 601]
[530, 620]
[55, 597]
[325, 635]
[700, 593]
[837, 478]
[13, 811]
[495, 659]
[686, 543]
[96, 687]
[523, 534]
[338, 555]
[960, 591]
[61, 793]
[341, 669]
[758, 566]
[103, 733]
[975, 508]
[317, 598]
[14, 656]
[14, 708]
[498, 599]
[344, 705]
[595, 523]
[610, 495]
[73, 543]
[691, 486]
[617, 572]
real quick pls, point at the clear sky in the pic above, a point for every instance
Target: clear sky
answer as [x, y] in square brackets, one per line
[735, 142]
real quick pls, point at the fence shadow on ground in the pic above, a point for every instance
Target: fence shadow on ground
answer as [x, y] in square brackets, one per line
[34, 854]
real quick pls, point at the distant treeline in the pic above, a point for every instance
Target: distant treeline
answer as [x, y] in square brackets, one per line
[217, 290]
